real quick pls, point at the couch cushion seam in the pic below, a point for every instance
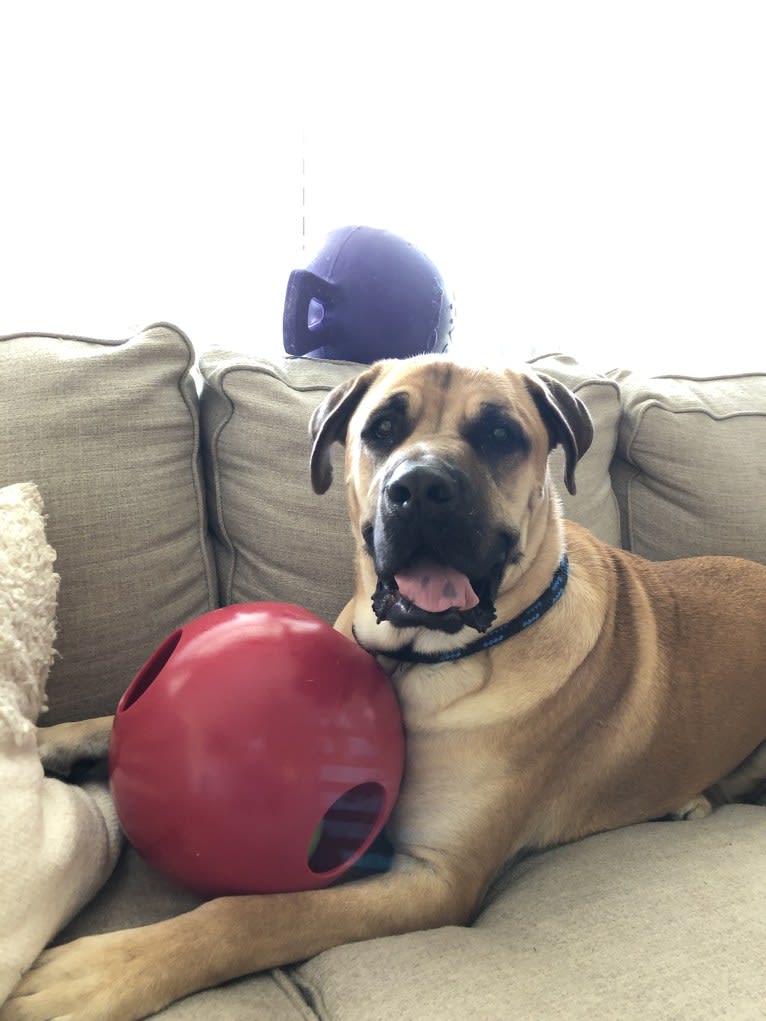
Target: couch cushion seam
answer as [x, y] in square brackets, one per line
[211, 575]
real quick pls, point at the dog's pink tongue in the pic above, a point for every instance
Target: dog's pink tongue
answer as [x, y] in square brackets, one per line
[434, 588]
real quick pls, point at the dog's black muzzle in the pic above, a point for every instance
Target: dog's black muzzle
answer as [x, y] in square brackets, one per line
[425, 506]
[428, 510]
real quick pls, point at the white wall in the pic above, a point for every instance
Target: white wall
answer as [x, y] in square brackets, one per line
[150, 170]
[588, 176]
[591, 175]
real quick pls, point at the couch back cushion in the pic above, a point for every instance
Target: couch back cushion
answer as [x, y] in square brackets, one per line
[690, 474]
[109, 431]
[594, 504]
[273, 537]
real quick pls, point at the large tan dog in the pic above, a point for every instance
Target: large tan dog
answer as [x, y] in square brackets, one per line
[543, 699]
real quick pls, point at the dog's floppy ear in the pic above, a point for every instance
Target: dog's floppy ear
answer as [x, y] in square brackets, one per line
[329, 423]
[566, 418]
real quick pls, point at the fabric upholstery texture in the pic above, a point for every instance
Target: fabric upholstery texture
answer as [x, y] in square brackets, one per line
[691, 472]
[662, 921]
[274, 537]
[109, 431]
[594, 504]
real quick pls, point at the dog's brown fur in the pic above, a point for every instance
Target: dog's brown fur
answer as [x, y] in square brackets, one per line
[642, 689]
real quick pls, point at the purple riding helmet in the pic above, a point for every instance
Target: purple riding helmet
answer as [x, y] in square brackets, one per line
[367, 294]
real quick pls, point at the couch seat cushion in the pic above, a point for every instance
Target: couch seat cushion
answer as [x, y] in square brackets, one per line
[661, 920]
[137, 895]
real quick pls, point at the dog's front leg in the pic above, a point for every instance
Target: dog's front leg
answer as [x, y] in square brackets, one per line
[66, 744]
[123, 976]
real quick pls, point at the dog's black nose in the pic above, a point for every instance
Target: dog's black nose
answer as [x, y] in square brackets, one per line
[422, 487]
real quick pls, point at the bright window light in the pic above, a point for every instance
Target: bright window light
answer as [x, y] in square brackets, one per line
[588, 177]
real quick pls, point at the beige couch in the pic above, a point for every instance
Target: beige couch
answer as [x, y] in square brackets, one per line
[171, 489]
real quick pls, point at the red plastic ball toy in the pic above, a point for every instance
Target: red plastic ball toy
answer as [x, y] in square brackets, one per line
[258, 750]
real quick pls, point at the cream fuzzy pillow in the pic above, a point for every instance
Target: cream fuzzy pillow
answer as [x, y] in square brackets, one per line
[58, 843]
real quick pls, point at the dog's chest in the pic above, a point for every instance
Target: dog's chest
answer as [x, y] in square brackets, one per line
[443, 696]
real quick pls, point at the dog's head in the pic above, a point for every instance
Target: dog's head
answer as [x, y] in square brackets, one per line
[446, 469]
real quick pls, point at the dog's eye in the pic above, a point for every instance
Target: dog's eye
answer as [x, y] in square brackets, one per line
[497, 439]
[384, 432]
[387, 426]
[503, 438]
[494, 435]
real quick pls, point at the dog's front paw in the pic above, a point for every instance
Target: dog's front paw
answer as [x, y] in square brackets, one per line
[98, 978]
[66, 745]
[57, 754]
[697, 808]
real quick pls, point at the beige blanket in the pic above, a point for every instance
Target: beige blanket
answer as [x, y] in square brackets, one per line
[58, 843]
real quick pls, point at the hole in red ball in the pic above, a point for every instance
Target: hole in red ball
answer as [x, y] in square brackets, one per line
[151, 670]
[346, 826]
